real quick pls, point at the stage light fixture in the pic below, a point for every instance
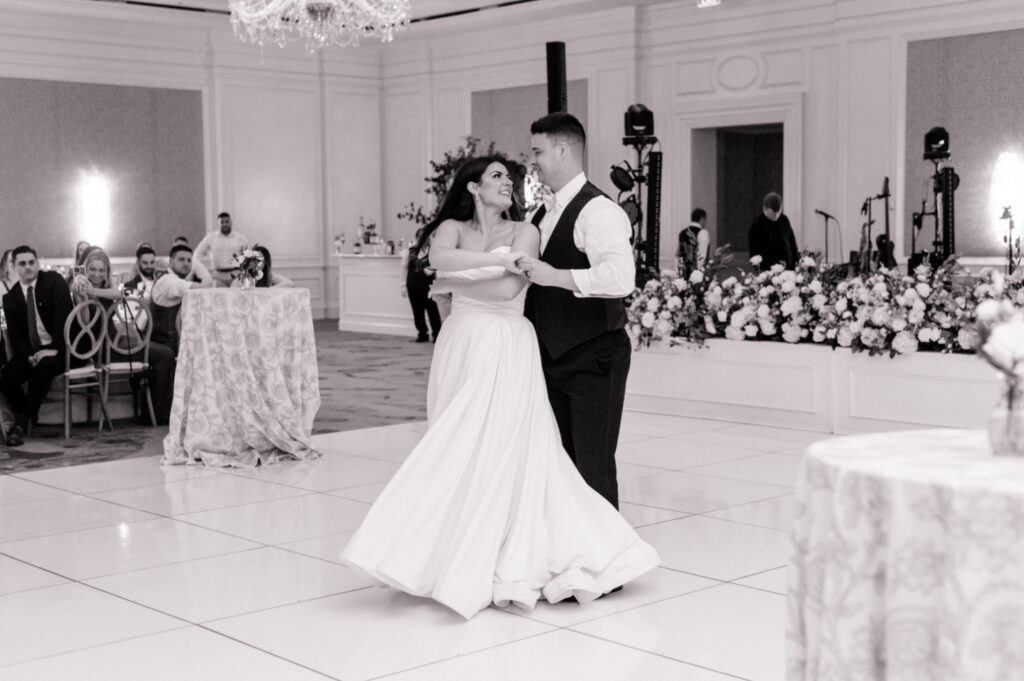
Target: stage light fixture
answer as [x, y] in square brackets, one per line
[936, 144]
[639, 121]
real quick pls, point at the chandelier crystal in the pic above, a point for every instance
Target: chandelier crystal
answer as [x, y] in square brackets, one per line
[318, 22]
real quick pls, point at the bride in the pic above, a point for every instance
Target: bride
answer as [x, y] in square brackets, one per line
[488, 507]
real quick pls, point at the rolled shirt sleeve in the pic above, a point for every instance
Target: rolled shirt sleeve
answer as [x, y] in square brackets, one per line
[602, 231]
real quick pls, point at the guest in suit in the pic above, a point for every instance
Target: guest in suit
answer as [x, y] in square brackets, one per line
[144, 271]
[576, 303]
[36, 310]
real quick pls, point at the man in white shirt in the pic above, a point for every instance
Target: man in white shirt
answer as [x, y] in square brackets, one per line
[217, 249]
[167, 294]
[585, 270]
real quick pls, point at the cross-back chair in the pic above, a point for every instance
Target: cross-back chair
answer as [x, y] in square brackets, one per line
[126, 358]
[84, 334]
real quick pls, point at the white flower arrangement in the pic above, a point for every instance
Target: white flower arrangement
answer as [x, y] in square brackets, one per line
[885, 312]
[249, 262]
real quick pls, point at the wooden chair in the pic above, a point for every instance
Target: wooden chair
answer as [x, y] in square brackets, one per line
[129, 329]
[86, 345]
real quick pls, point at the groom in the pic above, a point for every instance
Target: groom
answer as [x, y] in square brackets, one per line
[585, 270]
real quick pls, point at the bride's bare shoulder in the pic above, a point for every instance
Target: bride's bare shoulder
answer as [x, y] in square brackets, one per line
[449, 231]
[524, 229]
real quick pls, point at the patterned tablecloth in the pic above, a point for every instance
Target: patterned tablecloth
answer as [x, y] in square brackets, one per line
[246, 389]
[908, 560]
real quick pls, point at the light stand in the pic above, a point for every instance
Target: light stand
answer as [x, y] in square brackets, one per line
[1011, 245]
[639, 127]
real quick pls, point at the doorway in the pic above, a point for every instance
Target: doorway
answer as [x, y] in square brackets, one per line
[733, 168]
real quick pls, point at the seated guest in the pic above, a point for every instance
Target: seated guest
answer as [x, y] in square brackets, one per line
[36, 309]
[79, 250]
[6, 415]
[270, 277]
[8, 278]
[95, 284]
[199, 271]
[168, 292]
[144, 271]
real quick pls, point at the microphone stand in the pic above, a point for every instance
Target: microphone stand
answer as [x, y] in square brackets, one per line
[825, 215]
[866, 257]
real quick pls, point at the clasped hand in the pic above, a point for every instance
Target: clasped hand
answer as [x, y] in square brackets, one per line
[536, 270]
[443, 286]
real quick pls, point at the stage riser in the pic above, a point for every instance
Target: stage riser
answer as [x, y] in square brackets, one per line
[812, 387]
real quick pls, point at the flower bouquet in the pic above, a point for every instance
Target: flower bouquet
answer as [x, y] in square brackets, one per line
[248, 264]
[1000, 330]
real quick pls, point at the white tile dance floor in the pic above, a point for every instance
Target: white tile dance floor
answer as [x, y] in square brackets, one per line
[126, 570]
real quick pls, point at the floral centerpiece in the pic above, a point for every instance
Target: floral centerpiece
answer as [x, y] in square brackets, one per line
[1000, 331]
[248, 264]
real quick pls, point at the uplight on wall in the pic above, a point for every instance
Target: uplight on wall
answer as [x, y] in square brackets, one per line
[94, 199]
[708, 3]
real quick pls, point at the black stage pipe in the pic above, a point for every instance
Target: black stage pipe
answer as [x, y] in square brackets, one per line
[557, 97]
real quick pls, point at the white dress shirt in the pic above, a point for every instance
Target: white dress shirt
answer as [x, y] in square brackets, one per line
[170, 289]
[602, 231]
[219, 250]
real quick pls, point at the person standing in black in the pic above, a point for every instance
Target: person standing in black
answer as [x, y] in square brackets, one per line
[771, 235]
[417, 281]
[36, 309]
[576, 302]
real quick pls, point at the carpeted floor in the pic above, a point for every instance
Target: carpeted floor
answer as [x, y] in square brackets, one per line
[366, 380]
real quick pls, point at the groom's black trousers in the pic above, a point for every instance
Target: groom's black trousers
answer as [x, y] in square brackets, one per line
[587, 387]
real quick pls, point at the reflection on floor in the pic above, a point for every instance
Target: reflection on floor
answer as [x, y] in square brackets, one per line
[126, 570]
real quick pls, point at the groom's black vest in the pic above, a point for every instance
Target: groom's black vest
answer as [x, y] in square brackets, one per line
[562, 320]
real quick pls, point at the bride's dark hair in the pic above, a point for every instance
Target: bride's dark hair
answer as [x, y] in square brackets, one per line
[458, 201]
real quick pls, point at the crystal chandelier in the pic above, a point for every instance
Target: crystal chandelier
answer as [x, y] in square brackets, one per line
[318, 22]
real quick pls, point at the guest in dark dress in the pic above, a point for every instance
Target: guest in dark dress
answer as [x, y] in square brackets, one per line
[417, 280]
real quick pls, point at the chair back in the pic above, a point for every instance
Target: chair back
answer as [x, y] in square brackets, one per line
[88, 321]
[129, 328]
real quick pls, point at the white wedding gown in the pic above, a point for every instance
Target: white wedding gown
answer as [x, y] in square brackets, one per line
[488, 507]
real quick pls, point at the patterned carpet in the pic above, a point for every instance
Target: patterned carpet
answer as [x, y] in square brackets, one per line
[366, 380]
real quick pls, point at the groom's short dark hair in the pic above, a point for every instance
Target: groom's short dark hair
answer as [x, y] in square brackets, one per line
[563, 125]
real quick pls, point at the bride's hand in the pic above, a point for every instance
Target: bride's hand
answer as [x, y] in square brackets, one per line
[508, 261]
[439, 288]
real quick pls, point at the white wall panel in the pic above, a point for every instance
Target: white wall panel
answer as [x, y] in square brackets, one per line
[272, 145]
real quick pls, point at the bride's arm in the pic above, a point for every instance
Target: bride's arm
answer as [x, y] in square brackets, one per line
[505, 287]
[445, 255]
